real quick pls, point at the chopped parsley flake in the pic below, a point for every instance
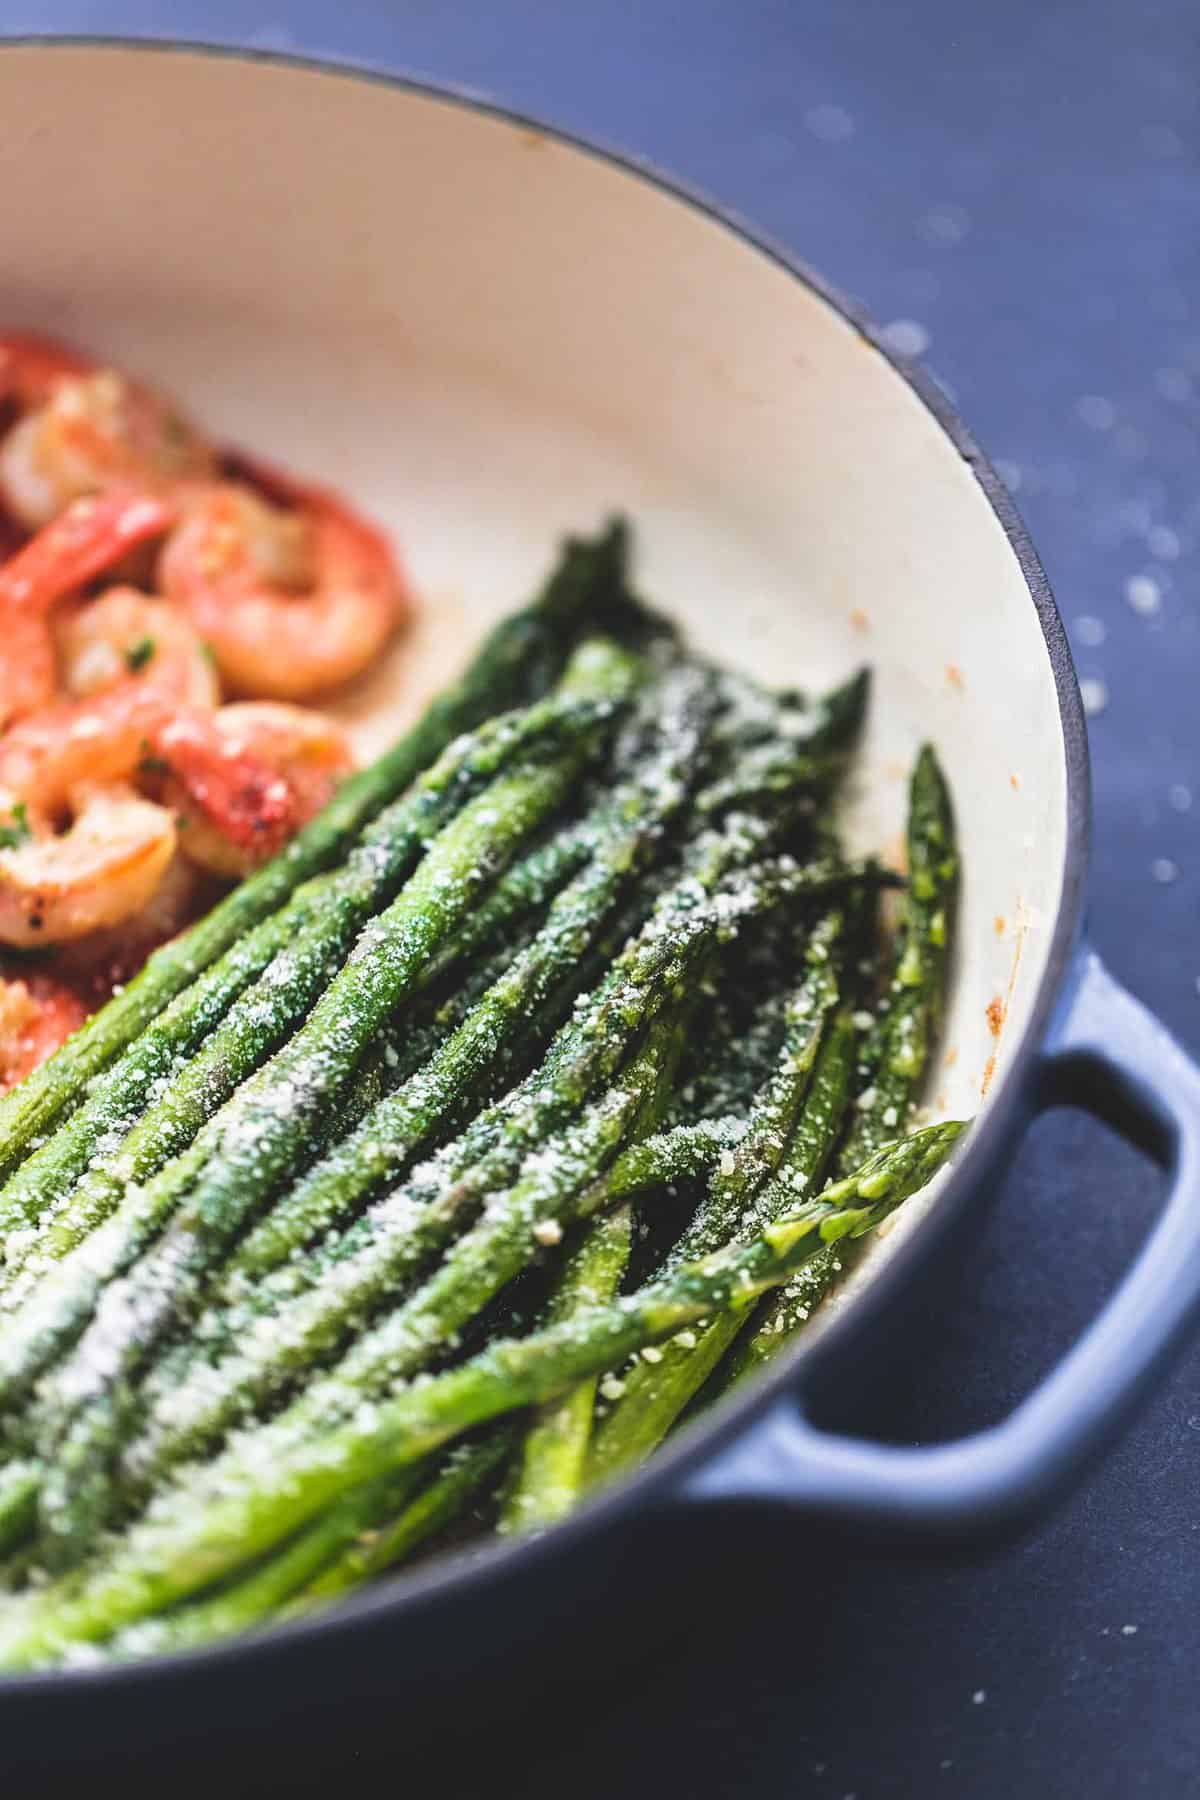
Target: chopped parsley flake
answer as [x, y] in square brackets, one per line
[16, 831]
[139, 654]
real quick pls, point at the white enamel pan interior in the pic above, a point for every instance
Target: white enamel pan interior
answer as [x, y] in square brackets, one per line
[489, 336]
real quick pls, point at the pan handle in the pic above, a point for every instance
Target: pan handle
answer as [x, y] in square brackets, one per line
[1108, 1054]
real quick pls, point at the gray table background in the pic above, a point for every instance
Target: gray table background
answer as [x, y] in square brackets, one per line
[1018, 187]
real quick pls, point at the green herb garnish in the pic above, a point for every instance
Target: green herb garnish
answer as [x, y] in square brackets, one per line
[17, 831]
[139, 654]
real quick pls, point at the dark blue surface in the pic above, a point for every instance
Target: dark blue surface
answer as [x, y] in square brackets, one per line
[1021, 184]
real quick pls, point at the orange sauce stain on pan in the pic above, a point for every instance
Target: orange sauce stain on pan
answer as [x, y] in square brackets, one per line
[997, 1007]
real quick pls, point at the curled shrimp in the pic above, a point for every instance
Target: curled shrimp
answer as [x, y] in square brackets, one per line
[104, 867]
[103, 641]
[81, 848]
[89, 538]
[82, 429]
[307, 751]
[293, 599]
[36, 1016]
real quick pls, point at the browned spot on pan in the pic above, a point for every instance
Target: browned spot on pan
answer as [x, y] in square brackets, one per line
[997, 1008]
[954, 676]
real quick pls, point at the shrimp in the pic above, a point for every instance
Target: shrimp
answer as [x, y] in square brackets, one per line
[104, 867]
[123, 632]
[36, 1016]
[309, 753]
[86, 541]
[73, 765]
[83, 429]
[293, 600]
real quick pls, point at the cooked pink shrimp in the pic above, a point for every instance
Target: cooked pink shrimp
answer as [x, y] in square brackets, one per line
[104, 867]
[71, 766]
[102, 642]
[309, 753]
[36, 1016]
[293, 600]
[83, 429]
[89, 538]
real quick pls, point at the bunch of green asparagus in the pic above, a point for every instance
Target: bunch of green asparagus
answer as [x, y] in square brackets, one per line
[533, 1096]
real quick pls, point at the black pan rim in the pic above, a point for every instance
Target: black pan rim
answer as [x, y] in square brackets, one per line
[412, 1591]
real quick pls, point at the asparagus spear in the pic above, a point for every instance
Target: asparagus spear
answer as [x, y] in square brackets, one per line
[462, 1475]
[19, 1483]
[523, 890]
[248, 1145]
[837, 718]
[742, 1171]
[650, 1395]
[912, 1013]
[771, 768]
[342, 1549]
[662, 1396]
[255, 1597]
[549, 1476]
[221, 1517]
[832, 722]
[679, 1154]
[356, 1539]
[896, 1054]
[520, 657]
